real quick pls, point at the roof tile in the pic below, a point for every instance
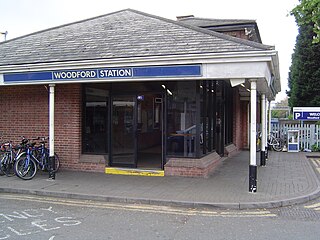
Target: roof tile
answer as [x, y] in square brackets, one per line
[124, 34]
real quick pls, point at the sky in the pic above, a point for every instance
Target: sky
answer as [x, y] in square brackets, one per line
[276, 26]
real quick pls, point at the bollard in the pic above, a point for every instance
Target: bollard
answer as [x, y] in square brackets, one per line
[52, 166]
[252, 178]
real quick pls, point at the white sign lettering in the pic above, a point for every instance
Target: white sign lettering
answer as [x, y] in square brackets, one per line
[33, 221]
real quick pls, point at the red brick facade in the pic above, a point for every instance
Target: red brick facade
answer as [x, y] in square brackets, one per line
[24, 112]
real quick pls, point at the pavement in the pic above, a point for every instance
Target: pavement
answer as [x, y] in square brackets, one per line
[287, 178]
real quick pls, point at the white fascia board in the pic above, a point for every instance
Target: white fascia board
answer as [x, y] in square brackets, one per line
[145, 61]
[238, 65]
[239, 70]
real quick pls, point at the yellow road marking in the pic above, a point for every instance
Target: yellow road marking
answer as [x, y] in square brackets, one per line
[140, 207]
[316, 162]
[316, 205]
[313, 162]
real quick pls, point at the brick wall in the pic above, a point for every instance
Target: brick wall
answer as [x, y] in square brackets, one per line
[244, 123]
[238, 34]
[24, 111]
[191, 167]
[237, 130]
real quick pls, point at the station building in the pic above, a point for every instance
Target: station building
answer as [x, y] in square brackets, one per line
[132, 90]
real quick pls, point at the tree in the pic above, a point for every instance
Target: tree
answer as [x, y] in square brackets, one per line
[304, 75]
[308, 12]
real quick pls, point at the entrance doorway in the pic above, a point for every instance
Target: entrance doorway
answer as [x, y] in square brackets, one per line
[136, 131]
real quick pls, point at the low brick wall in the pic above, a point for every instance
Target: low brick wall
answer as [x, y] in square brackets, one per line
[188, 167]
[231, 150]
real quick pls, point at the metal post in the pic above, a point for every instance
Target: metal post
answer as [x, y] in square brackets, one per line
[263, 130]
[269, 125]
[52, 174]
[253, 134]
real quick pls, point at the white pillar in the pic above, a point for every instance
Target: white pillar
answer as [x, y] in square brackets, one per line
[51, 128]
[263, 130]
[253, 122]
[269, 119]
[253, 134]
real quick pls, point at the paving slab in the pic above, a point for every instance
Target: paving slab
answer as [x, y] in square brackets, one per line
[287, 178]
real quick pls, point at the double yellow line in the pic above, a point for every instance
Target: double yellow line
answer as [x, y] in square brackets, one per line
[315, 206]
[316, 163]
[140, 207]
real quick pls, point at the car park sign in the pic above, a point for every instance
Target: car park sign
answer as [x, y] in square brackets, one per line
[306, 113]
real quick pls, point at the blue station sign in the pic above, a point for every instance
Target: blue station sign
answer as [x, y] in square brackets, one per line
[106, 73]
[306, 113]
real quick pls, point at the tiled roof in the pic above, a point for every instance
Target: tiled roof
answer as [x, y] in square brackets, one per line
[124, 34]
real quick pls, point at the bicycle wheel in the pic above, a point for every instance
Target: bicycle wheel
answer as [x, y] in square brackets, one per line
[57, 163]
[278, 144]
[8, 165]
[1, 165]
[46, 163]
[24, 168]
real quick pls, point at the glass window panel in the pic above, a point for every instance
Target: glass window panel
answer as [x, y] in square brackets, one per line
[181, 118]
[95, 119]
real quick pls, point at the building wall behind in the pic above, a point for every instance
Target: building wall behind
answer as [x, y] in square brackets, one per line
[237, 129]
[244, 123]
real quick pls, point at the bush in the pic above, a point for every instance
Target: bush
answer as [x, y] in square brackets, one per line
[315, 148]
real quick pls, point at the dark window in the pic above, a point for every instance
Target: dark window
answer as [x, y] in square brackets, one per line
[181, 118]
[95, 119]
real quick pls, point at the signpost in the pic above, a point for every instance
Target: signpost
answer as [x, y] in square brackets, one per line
[306, 113]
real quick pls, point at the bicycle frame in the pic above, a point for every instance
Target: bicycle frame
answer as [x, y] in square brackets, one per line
[9, 156]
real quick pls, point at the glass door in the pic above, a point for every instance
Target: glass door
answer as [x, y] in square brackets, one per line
[123, 127]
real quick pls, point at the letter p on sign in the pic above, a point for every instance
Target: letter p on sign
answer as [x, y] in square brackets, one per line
[297, 115]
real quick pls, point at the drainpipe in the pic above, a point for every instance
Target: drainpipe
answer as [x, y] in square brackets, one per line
[253, 134]
[52, 174]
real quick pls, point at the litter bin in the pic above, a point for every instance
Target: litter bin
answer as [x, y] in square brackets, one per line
[293, 140]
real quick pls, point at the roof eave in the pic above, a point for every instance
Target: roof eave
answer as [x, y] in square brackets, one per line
[263, 55]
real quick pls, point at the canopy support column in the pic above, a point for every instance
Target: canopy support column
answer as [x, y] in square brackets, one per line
[263, 130]
[253, 135]
[52, 174]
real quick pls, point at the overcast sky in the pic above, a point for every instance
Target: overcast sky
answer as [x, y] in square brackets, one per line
[276, 26]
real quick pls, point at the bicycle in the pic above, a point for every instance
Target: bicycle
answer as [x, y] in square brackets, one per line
[276, 143]
[34, 158]
[9, 156]
[42, 155]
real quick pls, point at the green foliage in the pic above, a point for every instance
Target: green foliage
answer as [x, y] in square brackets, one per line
[278, 114]
[304, 75]
[315, 148]
[306, 13]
